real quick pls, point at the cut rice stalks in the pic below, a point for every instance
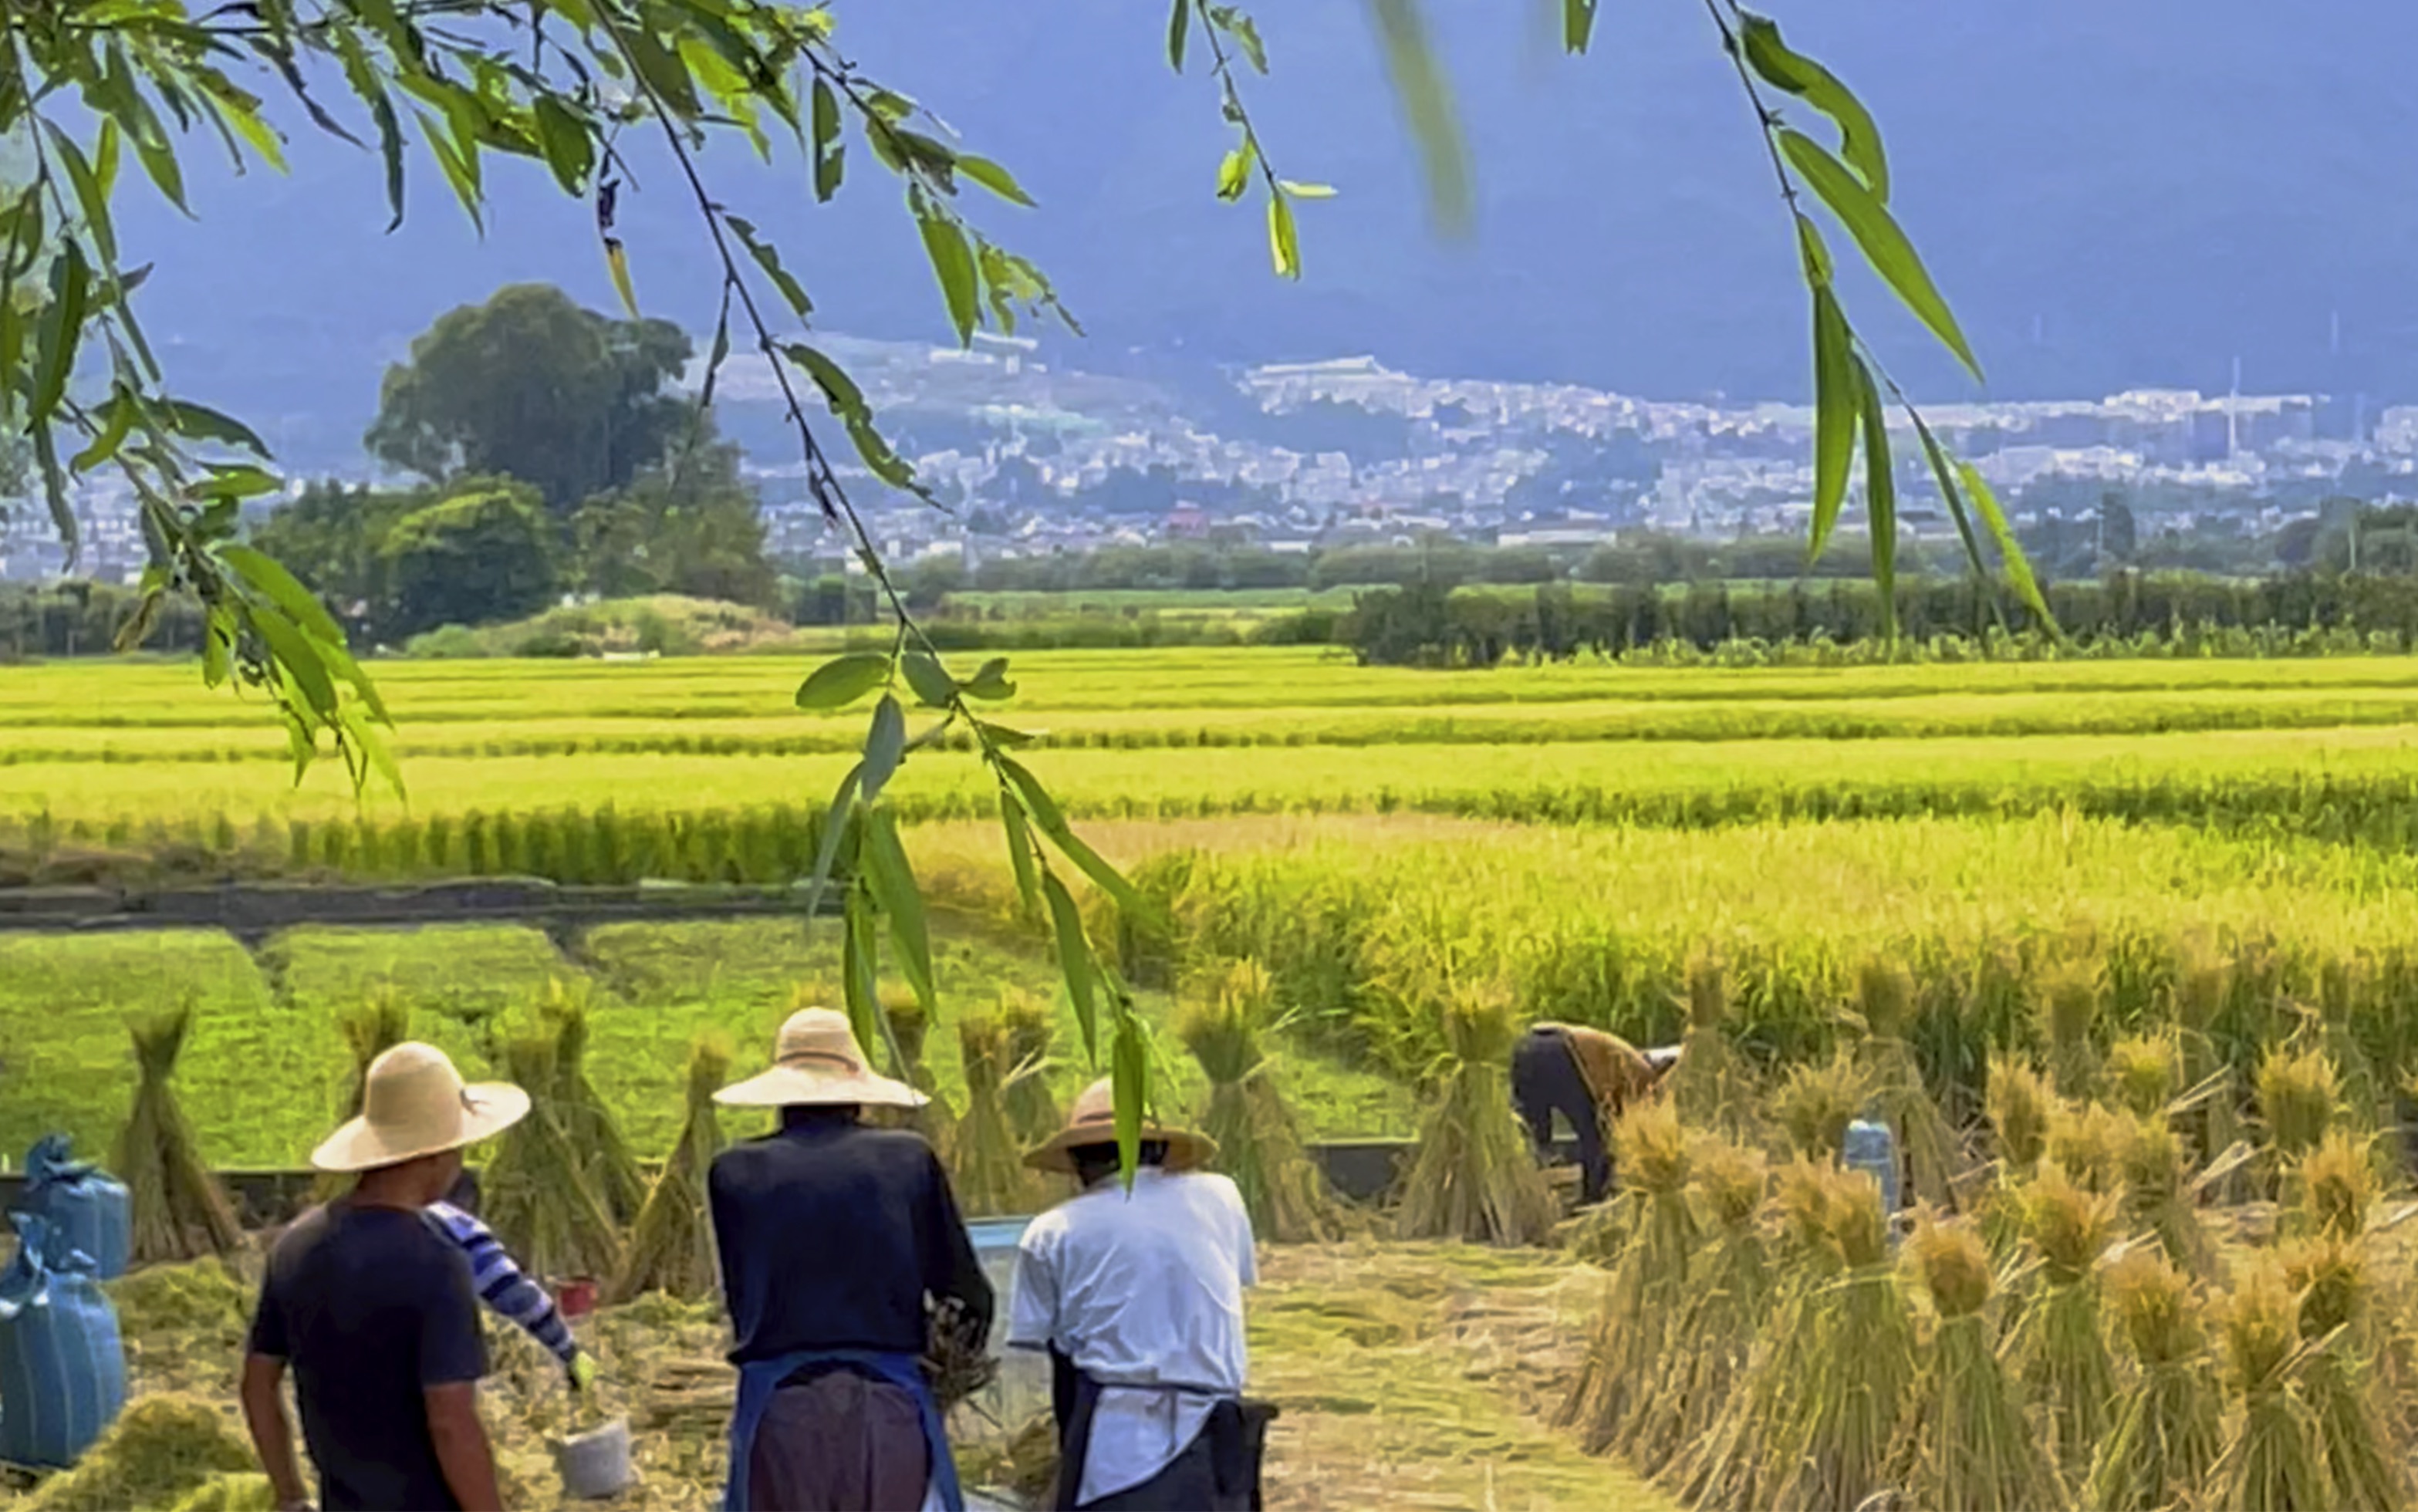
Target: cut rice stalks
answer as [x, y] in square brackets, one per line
[1474, 1177]
[177, 1208]
[1971, 1449]
[612, 1168]
[1259, 1139]
[369, 1031]
[1861, 1352]
[1031, 1028]
[2059, 1347]
[2367, 1456]
[1648, 1288]
[2144, 1073]
[671, 1245]
[2169, 1427]
[987, 1160]
[1885, 994]
[2300, 1093]
[1710, 1086]
[538, 1191]
[910, 1028]
[1816, 1102]
[2086, 1142]
[2274, 1462]
[1729, 1294]
[2202, 981]
[2069, 1009]
[2158, 1194]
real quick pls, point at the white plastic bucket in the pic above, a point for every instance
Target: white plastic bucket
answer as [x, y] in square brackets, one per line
[596, 1464]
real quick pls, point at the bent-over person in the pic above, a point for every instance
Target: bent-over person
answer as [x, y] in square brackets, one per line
[372, 1309]
[1137, 1297]
[838, 1244]
[1588, 1076]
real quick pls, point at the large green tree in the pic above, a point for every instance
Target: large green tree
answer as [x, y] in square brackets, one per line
[486, 552]
[688, 525]
[530, 386]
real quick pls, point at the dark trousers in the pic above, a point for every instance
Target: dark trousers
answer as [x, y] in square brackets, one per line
[837, 1440]
[1545, 1081]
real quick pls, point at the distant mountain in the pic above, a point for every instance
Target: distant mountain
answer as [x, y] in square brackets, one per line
[2114, 195]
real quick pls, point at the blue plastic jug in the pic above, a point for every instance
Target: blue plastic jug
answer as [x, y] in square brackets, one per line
[1871, 1148]
[87, 1209]
[62, 1362]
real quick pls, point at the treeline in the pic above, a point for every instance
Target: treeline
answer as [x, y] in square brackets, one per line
[77, 618]
[2302, 612]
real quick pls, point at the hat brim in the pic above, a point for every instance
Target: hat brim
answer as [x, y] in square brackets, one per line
[1185, 1150]
[789, 1087]
[490, 1108]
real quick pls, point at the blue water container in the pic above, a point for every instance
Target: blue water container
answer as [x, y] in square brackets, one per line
[87, 1210]
[62, 1362]
[1871, 1148]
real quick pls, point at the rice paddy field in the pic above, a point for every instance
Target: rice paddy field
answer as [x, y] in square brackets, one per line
[2156, 881]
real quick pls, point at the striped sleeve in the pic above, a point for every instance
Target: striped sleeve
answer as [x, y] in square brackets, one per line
[508, 1292]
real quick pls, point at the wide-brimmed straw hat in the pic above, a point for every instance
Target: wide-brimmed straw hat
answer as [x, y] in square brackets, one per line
[1092, 1120]
[817, 1063]
[415, 1104]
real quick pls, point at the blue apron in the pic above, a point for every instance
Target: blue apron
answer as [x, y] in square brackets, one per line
[758, 1380]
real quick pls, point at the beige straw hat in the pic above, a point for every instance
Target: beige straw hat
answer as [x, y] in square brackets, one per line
[414, 1104]
[816, 1062]
[1092, 1120]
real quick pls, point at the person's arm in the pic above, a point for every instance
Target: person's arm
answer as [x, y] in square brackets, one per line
[272, 1435]
[504, 1287]
[951, 1267]
[461, 1444]
[729, 1246]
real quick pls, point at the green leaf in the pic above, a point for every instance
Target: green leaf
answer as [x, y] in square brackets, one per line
[1179, 29]
[91, 199]
[876, 454]
[1246, 33]
[892, 879]
[1075, 962]
[376, 755]
[990, 680]
[60, 333]
[886, 746]
[1945, 475]
[930, 682]
[662, 71]
[859, 955]
[1834, 416]
[1129, 1086]
[1578, 25]
[1881, 495]
[569, 151]
[768, 257]
[840, 391]
[1813, 252]
[953, 263]
[1234, 174]
[1884, 244]
[836, 824]
[199, 422]
[461, 175]
[616, 262]
[218, 645]
[236, 481]
[1306, 192]
[1284, 245]
[843, 679]
[267, 576]
[830, 151]
[116, 422]
[1860, 140]
[1052, 823]
[991, 176]
[1001, 734]
[1427, 99]
[1019, 853]
[2011, 551]
[298, 655]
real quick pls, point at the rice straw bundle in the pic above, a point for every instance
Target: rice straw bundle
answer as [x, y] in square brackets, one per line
[1860, 1362]
[988, 1161]
[2018, 1104]
[1885, 991]
[671, 1244]
[1650, 1282]
[2337, 1187]
[612, 1168]
[2060, 1348]
[2086, 1142]
[2202, 981]
[2158, 1194]
[1030, 1028]
[2342, 985]
[2169, 1426]
[1474, 1178]
[1259, 1139]
[1710, 1086]
[380, 1024]
[2143, 1073]
[2299, 1094]
[1728, 1294]
[955, 1361]
[540, 1191]
[1971, 1451]
[2274, 1461]
[1815, 1103]
[909, 1027]
[2069, 1014]
[177, 1209]
[2367, 1458]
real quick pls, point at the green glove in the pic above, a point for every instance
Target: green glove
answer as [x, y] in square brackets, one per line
[583, 1371]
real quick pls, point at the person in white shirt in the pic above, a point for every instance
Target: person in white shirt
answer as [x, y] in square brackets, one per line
[1137, 1296]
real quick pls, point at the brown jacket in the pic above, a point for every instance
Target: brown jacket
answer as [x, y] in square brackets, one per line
[1612, 1070]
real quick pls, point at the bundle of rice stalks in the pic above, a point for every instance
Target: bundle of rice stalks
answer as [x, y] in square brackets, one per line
[538, 1191]
[1710, 1086]
[2342, 985]
[2274, 1461]
[2202, 979]
[165, 1445]
[1729, 1293]
[955, 1361]
[2144, 1073]
[1031, 1027]
[2366, 1457]
[1860, 1368]
[1650, 1282]
[1474, 1178]
[612, 1168]
[2299, 1094]
[1885, 992]
[177, 1208]
[2018, 1104]
[2158, 1194]
[909, 1027]
[1971, 1451]
[1259, 1139]
[2069, 1008]
[369, 1031]
[1817, 1103]
[231, 1491]
[2337, 1187]
[2059, 1349]
[987, 1161]
[671, 1245]
[2086, 1142]
[2169, 1427]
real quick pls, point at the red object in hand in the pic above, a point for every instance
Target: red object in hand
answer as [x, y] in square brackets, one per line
[576, 1299]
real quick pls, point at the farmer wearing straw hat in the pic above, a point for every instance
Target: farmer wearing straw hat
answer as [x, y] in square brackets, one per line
[838, 1243]
[1137, 1296]
[372, 1309]
[1589, 1078]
